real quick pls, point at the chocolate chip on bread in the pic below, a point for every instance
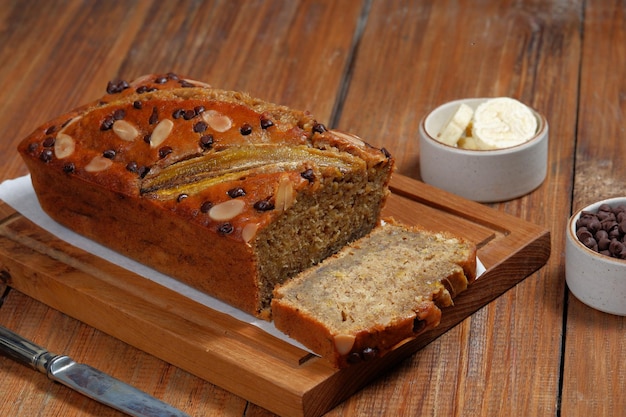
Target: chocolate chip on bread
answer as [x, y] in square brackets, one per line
[223, 191]
[375, 293]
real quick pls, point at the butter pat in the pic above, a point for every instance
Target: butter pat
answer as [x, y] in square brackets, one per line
[503, 122]
[455, 128]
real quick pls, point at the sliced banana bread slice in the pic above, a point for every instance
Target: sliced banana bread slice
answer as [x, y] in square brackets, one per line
[375, 293]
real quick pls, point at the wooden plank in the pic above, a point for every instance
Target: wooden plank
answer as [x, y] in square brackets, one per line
[594, 366]
[234, 355]
[270, 49]
[43, 84]
[412, 57]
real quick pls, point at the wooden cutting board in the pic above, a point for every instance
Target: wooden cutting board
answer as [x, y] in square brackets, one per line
[239, 357]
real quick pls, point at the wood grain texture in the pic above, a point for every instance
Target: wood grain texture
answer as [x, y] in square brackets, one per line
[372, 67]
[423, 54]
[271, 49]
[594, 366]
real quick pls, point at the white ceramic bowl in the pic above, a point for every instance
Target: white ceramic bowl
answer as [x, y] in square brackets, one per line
[485, 176]
[595, 279]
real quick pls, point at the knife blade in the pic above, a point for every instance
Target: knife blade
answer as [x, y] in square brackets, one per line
[83, 378]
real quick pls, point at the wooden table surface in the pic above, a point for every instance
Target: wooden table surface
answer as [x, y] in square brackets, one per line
[374, 68]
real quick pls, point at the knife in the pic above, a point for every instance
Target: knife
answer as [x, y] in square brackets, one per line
[83, 378]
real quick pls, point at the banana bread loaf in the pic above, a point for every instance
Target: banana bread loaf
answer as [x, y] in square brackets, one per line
[220, 190]
[375, 293]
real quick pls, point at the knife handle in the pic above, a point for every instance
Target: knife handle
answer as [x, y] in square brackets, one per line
[25, 351]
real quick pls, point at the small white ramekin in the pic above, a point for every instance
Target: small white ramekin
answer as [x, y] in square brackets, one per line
[485, 176]
[595, 279]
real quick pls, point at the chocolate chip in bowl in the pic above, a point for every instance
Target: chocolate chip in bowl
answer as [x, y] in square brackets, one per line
[604, 231]
[595, 255]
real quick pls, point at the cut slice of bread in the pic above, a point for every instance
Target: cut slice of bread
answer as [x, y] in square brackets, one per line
[375, 293]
